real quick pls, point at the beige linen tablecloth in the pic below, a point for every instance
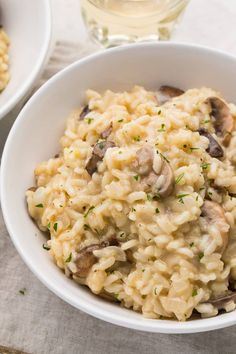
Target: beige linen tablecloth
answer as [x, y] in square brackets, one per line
[34, 320]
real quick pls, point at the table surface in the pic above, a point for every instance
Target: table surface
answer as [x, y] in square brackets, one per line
[38, 322]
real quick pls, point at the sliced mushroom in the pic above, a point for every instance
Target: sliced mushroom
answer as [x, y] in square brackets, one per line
[166, 93]
[84, 112]
[223, 120]
[144, 161]
[98, 154]
[221, 301]
[105, 134]
[86, 259]
[214, 214]
[214, 149]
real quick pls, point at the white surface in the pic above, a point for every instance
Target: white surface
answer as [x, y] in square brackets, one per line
[35, 136]
[28, 24]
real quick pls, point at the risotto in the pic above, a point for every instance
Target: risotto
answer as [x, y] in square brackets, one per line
[4, 46]
[140, 203]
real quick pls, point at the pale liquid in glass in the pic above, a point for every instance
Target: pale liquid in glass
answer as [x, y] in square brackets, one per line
[115, 22]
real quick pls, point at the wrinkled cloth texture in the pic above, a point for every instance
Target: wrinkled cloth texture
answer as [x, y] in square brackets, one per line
[32, 318]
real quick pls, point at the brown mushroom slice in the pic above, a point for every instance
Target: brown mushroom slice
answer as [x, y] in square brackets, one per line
[223, 120]
[105, 134]
[84, 112]
[215, 215]
[166, 93]
[214, 149]
[85, 260]
[98, 154]
[144, 161]
[161, 184]
[221, 301]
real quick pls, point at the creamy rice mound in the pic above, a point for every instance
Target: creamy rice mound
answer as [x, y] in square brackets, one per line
[4, 59]
[140, 203]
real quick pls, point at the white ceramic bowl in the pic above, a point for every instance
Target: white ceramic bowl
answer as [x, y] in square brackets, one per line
[28, 24]
[35, 136]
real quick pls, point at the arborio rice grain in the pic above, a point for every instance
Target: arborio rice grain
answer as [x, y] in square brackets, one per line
[4, 59]
[140, 203]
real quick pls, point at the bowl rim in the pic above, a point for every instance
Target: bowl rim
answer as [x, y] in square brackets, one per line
[39, 65]
[143, 324]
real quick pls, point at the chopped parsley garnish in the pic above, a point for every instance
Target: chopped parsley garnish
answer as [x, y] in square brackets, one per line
[137, 138]
[194, 293]
[49, 225]
[201, 189]
[178, 179]
[194, 148]
[155, 291]
[157, 211]
[87, 227]
[209, 193]
[159, 112]
[197, 198]
[122, 234]
[68, 260]
[116, 296]
[163, 128]
[136, 177]
[133, 209]
[22, 291]
[191, 244]
[205, 165]
[120, 120]
[149, 197]
[207, 121]
[39, 205]
[200, 255]
[143, 270]
[89, 120]
[46, 247]
[88, 211]
[181, 196]
[55, 226]
[163, 157]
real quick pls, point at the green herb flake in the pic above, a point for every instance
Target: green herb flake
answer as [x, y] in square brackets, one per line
[194, 148]
[88, 211]
[55, 226]
[164, 158]
[69, 258]
[49, 225]
[163, 128]
[120, 152]
[200, 255]
[46, 247]
[136, 177]
[155, 291]
[201, 189]
[157, 211]
[191, 244]
[137, 138]
[197, 198]
[143, 270]
[133, 209]
[86, 227]
[180, 197]
[205, 165]
[149, 197]
[116, 296]
[39, 205]
[194, 293]
[159, 112]
[206, 121]
[120, 120]
[178, 179]
[89, 120]
[22, 291]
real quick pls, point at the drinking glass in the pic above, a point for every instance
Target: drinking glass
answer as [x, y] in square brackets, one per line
[115, 22]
